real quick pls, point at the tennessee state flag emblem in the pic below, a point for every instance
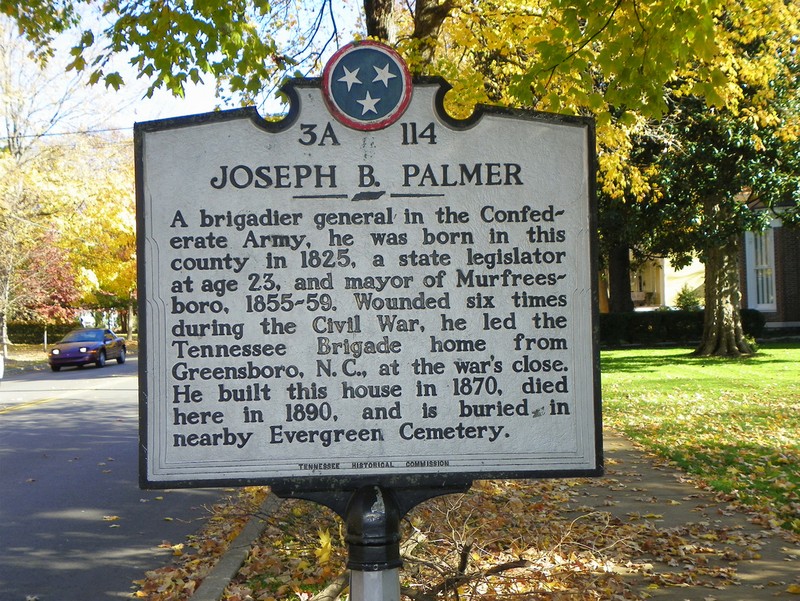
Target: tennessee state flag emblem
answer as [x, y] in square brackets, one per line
[366, 85]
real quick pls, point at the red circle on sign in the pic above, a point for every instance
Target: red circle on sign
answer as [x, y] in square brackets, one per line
[366, 85]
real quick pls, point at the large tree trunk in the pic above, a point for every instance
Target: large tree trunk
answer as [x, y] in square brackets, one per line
[380, 20]
[428, 18]
[722, 328]
[429, 15]
[619, 280]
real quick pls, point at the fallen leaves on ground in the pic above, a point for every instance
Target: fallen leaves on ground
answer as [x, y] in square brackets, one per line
[543, 539]
[505, 539]
[194, 559]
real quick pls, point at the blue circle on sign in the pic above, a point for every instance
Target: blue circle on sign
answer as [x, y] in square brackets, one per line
[367, 85]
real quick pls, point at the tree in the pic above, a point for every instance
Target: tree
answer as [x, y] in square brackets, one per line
[608, 58]
[719, 171]
[42, 183]
[620, 61]
[49, 284]
[248, 47]
[70, 239]
[37, 281]
[727, 177]
[101, 236]
[743, 68]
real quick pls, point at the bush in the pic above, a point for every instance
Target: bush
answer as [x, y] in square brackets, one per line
[683, 326]
[688, 300]
[653, 327]
[753, 322]
[33, 333]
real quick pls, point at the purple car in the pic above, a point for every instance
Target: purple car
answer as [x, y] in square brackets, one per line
[87, 345]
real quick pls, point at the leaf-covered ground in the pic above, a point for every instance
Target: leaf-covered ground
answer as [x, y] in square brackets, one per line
[733, 426]
[573, 539]
[196, 557]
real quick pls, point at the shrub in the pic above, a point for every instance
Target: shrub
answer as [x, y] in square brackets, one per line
[33, 333]
[654, 327]
[753, 322]
[688, 300]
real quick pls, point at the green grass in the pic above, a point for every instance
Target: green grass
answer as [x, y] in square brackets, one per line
[733, 424]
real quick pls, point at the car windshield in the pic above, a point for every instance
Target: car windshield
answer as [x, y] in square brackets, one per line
[83, 336]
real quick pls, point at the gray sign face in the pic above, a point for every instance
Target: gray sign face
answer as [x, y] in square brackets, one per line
[325, 303]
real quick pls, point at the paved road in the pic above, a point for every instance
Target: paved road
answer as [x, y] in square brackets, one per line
[74, 525]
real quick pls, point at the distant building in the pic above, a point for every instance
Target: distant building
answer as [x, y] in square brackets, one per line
[657, 283]
[770, 276]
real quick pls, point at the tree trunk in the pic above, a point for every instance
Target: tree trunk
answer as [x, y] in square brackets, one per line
[4, 334]
[428, 18]
[602, 295]
[429, 15]
[380, 20]
[129, 325]
[619, 280]
[722, 327]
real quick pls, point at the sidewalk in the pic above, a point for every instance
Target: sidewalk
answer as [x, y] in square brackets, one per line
[727, 557]
[723, 555]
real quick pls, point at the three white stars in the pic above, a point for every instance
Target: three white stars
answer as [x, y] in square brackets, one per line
[368, 102]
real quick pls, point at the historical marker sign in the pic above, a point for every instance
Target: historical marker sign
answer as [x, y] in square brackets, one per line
[368, 290]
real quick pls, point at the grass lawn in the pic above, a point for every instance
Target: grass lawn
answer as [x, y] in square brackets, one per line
[732, 424]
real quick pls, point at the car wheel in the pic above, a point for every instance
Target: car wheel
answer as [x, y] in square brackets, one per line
[121, 358]
[55, 367]
[101, 359]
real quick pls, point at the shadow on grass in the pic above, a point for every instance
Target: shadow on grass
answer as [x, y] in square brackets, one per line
[647, 360]
[760, 475]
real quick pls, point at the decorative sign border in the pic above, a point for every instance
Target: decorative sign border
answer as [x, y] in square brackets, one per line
[367, 85]
[419, 165]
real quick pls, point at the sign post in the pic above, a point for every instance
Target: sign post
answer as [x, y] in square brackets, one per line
[373, 537]
[368, 303]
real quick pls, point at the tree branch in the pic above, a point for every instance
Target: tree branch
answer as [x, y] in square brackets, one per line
[334, 589]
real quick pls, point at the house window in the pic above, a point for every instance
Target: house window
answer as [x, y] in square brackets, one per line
[760, 249]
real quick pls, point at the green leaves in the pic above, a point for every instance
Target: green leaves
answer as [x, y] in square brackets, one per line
[41, 20]
[178, 42]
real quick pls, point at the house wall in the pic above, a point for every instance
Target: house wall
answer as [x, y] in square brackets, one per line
[657, 283]
[787, 275]
[646, 284]
[787, 279]
[692, 276]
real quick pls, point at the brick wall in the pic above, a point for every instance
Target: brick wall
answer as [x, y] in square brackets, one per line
[787, 273]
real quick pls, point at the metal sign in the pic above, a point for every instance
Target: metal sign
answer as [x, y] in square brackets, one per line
[366, 86]
[368, 290]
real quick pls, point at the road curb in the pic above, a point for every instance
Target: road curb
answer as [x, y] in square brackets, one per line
[222, 573]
